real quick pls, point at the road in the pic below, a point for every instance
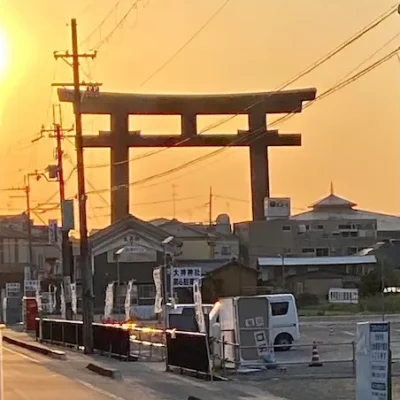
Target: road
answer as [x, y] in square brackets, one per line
[334, 340]
[26, 379]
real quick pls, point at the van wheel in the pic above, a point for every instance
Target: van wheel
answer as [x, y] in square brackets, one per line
[285, 340]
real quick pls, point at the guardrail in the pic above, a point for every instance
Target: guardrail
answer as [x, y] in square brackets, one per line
[107, 339]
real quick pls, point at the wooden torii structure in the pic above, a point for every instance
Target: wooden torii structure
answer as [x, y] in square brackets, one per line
[255, 105]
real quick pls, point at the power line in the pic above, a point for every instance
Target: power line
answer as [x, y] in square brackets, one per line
[177, 52]
[292, 80]
[100, 25]
[117, 26]
[258, 133]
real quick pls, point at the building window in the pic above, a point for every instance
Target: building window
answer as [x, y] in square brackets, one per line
[280, 308]
[308, 250]
[345, 227]
[351, 251]
[322, 252]
[147, 291]
[286, 228]
[226, 250]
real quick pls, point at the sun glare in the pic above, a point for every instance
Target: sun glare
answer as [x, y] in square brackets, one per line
[3, 53]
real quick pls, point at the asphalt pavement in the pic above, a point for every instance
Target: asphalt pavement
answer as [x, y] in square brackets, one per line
[25, 378]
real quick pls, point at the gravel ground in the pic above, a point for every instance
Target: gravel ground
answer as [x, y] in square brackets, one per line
[326, 389]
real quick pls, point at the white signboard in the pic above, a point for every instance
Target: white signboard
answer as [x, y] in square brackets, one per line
[13, 290]
[349, 296]
[185, 276]
[135, 249]
[372, 357]
[157, 283]
[31, 285]
[277, 207]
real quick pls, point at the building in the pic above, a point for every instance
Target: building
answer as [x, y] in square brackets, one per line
[203, 246]
[128, 249]
[333, 227]
[231, 279]
[14, 251]
[315, 275]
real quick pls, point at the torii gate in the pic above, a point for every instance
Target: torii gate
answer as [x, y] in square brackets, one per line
[255, 105]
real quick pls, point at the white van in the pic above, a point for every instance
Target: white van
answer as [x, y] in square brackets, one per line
[284, 319]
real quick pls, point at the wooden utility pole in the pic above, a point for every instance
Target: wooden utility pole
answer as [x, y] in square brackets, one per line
[87, 283]
[59, 133]
[210, 201]
[27, 189]
[173, 201]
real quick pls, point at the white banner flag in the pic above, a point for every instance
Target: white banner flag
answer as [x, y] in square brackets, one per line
[128, 301]
[51, 303]
[54, 297]
[157, 283]
[38, 299]
[62, 299]
[198, 307]
[109, 303]
[73, 298]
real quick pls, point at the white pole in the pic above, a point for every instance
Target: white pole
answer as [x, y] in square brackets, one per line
[1, 363]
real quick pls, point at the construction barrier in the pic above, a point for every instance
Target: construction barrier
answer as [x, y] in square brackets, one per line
[188, 351]
[110, 339]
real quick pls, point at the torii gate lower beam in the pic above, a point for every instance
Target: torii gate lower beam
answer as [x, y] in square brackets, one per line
[257, 138]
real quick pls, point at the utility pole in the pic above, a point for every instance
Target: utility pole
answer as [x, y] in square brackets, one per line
[59, 133]
[210, 201]
[27, 189]
[173, 201]
[87, 282]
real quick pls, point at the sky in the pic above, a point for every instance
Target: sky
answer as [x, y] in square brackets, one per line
[350, 138]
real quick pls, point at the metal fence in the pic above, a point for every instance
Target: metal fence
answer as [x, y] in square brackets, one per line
[112, 340]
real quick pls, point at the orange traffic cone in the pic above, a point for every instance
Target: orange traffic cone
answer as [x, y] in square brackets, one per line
[315, 360]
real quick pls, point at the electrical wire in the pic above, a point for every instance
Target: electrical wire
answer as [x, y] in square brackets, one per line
[257, 134]
[149, 203]
[177, 52]
[290, 81]
[117, 26]
[100, 25]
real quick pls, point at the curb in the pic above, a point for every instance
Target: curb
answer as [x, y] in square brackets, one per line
[59, 355]
[108, 372]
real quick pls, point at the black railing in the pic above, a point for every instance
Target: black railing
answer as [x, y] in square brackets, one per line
[188, 350]
[113, 340]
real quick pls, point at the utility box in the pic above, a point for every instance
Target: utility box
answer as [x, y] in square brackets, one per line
[30, 313]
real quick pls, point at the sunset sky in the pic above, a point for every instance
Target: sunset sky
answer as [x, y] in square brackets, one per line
[351, 138]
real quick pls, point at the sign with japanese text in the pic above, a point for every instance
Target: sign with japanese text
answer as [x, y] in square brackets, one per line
[185, 276]
[349, 296]
[379, 348]
[13, 290]
[373, 361]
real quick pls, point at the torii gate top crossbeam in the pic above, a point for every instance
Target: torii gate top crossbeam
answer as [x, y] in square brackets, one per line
[286, 101]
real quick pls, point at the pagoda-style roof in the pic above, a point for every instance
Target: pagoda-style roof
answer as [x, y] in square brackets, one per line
[285, 101]
[333, 201]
